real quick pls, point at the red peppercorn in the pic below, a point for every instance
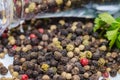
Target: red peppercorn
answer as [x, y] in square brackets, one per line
[24, 77]
[14, 1]
[84, 61]
[33, 36]
[4, 35]
[6, 31]
[26, 1]
[106, 74]
[14, 47]
[41, 30]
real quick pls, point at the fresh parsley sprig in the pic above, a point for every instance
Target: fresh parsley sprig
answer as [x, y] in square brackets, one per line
[111, 26]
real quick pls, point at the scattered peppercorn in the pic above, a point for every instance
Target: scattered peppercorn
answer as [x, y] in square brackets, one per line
[62, 50]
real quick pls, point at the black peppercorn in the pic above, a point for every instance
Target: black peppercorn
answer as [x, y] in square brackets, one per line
[40, 59]
[18, 42]
[75, 71]
[73, 36]
[51, 72]
[35, 74]
[95, 34]
[48, 56]
[33, 55]
[34, 41]
[94, 63]
[4, 42]
[21, 72]
[79, 24]
[34, 61]
[11, 52]
[78, 31]
[27, 57]
[68, 67]
[26, 41]
[64, 60]
[57, 55]
[29, 73]
[69, 30]
[94, 77]
[16, 68]
[64, 32]
[64, 52]
[38, 77]
[3, 70]
[118, 59]
[24, 65]
[16, 62]
[53, 62]
[96, 55]
[113, 72]
[30, 65]
[60, 68]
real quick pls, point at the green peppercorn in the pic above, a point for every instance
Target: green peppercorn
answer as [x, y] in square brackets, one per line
[88, 54]
[69, 35]
[101, 62]
[45, 77]
[77, 50]
[87, 67]
[32, 7]
[2, 55]
[114, 54]
[57, 43]
[59, 2]
[68, 4]
[81, 47]
[53, 27]
[85, 42]
[15, 74]
[86, 37]
[60, 47]
[63, 74]
[75, 77]
[86, 75]
[45, 67]
[74, 28]
[103, 48]
[68, 76]
[70, 54]
[54, 39]
[82, 55]
[62, 22]
[119, 71]
[22, 37]
[1, 64]
[75, 70]
[70, 47]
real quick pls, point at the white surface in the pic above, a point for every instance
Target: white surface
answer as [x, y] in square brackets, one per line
[9, 60]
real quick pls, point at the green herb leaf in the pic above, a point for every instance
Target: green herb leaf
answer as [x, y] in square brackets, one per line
[106, 23]
[119, 37]
[113, 26]
[106, 17]
[98, 23]
[118, 19]
[117, 43]
[112, 35]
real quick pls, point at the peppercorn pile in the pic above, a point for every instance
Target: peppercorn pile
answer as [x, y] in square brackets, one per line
[35, 7]
[58, 49]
